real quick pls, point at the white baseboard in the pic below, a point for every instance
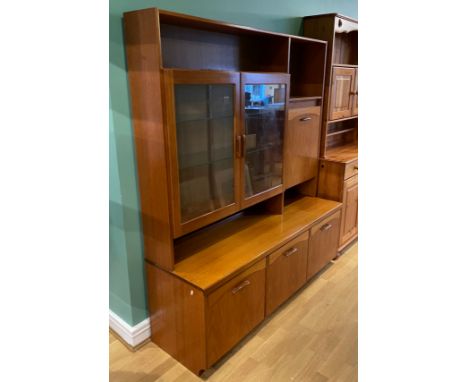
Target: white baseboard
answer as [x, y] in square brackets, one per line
[132, 335]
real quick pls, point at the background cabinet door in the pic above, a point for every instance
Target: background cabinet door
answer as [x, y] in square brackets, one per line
[323, 246]
[201, 126]
[341, 101]
[349, 225]
[264, 100]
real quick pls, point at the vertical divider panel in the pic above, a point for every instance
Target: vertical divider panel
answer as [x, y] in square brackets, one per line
[144, 62]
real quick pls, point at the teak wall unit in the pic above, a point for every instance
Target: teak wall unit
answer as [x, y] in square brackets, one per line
[339, 143]
[227, 124]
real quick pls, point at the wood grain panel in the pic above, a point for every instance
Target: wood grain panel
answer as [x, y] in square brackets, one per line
[143, 60]
[224, 250]
[323, 245]
[234, 310]
[301, 143]
[177, 315]
[286, 271]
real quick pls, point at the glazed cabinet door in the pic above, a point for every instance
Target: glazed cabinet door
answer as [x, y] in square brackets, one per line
[201, 120]
[234, 309]
[349, 225]
[323, 245]
[264, 99]
[341, 96]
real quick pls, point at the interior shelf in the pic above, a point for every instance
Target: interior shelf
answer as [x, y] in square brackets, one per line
[226, 248]
[343, 119]
[340, 132]
[345, 65]
[303, 99]
[343, 154]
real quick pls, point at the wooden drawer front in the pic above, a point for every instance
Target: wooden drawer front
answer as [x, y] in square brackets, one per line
[351, 169]
[234, 309]
[323, 244]
[286, 271]
[301, 143]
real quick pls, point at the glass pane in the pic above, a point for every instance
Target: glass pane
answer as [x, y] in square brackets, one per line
[205, 134]
[264, 123]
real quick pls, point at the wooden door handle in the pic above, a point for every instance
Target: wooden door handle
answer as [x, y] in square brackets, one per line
[242, 285]
[353, 93]
[290, 251]
[238, 146]
[303, 119]
[325, 227]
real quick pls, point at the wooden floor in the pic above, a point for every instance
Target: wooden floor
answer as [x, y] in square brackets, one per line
[313, 337]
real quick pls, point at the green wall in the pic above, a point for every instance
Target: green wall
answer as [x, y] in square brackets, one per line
[126, 280]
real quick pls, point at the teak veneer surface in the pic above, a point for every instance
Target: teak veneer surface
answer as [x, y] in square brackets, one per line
[221, 251]
[342, 154]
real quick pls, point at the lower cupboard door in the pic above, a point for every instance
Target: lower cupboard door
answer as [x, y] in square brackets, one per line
[286, 271]
[234, 309]
[323, 246]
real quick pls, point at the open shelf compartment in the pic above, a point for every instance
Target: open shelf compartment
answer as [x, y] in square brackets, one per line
[193, 43]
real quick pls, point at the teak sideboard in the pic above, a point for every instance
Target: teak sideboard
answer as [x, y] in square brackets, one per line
[227, 126]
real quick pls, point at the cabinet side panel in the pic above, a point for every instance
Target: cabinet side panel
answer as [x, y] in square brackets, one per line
[143, 60]
[177, 315]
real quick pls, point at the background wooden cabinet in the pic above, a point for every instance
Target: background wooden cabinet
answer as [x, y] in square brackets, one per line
[339, 181]
[339, 138]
